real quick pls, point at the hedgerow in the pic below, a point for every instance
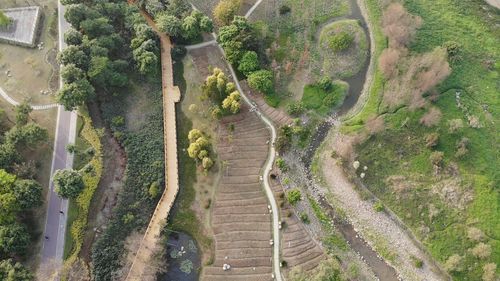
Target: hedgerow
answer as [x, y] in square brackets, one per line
[91, 180]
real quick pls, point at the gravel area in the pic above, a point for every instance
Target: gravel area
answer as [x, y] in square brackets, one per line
[377, 228]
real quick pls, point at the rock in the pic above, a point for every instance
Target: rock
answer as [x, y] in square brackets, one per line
[355, 165]
[362, 175]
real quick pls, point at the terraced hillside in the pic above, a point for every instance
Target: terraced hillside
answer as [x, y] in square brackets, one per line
[240, 217]
[298, 248]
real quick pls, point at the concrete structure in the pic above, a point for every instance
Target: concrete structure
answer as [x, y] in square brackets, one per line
[23, 30]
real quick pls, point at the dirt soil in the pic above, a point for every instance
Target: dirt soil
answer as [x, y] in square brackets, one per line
[111, 182]
[240, 217]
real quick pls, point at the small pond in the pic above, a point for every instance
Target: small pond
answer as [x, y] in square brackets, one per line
[183, 258]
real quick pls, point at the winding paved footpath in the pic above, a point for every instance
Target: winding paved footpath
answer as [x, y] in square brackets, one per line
[270, 161]
[141, 266]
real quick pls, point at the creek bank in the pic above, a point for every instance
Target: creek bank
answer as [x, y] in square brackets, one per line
[380, 267]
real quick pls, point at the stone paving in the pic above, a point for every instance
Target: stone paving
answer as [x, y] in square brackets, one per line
[23, 29]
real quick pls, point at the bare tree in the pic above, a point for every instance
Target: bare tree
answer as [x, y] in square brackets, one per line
[399, 26]
[388, 61]
[431, 118]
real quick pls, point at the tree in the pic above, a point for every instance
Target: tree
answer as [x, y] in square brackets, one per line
[77, 13]
[261, 81]
[190, 27]
[14, 239]
[207, 163]
[10, 271]
[225, 11]
[23, 111]
[206, 24]
[169, 24]
[178, 8]
[75, 94]
[74, 55]
[237, 38]
[249, 63]
[293, 196]
[29, 134]
[68, 183]
[71, 73]
[96, 27]
[232, 102]
[73, 37]
[194, 134]
[28, 193]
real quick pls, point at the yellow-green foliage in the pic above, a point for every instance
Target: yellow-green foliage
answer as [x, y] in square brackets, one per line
[91, 180]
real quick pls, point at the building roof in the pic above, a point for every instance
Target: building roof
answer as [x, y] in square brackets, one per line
[24, 25]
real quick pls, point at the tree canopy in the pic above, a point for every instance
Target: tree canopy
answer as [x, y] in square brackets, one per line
[68, 183]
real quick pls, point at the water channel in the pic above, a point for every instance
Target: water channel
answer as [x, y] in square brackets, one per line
[382, 270]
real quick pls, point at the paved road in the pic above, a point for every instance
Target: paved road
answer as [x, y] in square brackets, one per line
[55, 225]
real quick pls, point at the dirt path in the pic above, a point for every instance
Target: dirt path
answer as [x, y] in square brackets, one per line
[381, 232]
[494, 3]
[171, 95]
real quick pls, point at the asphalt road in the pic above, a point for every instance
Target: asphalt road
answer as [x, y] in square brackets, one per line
[55, 225]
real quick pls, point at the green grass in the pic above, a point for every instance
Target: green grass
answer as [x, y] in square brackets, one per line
[72, 216]
[183, 218]
[323, 102]
[401, 150]
[346, 62]
[333, 240]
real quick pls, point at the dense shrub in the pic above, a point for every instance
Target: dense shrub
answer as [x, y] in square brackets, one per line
[145, 164]
[225, 11]
[293, 196]
[341, 41]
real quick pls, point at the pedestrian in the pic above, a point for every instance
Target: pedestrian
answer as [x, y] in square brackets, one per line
[46, 237]
[61, 212]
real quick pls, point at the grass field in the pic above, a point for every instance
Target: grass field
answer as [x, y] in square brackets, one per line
[344, 63]
[323, 102]
[442, 209]
[293, 40]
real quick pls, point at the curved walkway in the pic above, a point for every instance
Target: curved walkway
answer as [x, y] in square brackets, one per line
[270, 161]
[141, 265]
[13, 102]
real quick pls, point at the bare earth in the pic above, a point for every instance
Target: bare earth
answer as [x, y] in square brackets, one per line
[376, 227]
[494, 3]
[240, 217]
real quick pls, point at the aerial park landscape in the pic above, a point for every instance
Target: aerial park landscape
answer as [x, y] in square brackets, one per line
[249, 140]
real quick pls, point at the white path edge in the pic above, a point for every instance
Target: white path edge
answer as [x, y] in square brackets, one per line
[272, 151]
[13, 102]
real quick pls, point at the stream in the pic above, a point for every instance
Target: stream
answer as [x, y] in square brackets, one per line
[382, 270]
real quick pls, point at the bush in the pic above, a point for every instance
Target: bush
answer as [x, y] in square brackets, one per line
[249, 63]
[453, 263]
[281, 164]
[418, 263]
[295, 108]
[436, 158]
[225, 11]
[378, 206]
[341, 41]
[262, 81]
[431, 140]
[481, 250]
[284, 9]
[304, 218]
[293, 196]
